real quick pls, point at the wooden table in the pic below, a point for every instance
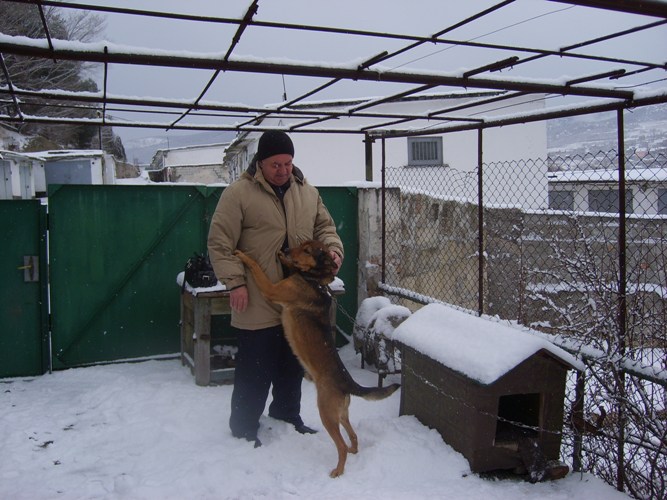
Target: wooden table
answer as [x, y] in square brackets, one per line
[196, 310]
[197, 307]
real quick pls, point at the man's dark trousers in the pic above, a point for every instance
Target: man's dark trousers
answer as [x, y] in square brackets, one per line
[264, 358]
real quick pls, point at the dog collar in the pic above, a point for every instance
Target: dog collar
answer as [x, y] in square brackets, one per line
[323, 289]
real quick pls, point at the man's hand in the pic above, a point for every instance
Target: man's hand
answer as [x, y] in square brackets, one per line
[238, 298]
[337, 260]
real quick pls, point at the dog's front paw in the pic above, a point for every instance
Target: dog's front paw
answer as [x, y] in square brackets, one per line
[244, 258]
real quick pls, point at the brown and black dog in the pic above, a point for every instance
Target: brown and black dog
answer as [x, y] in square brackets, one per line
[305, 300]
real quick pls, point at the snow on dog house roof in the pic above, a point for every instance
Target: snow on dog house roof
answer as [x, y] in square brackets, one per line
[483, 349]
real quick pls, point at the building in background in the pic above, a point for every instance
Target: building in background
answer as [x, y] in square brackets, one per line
[18, 175]
[84, 166]
[597, 191]
[335, 158]
[198, 164]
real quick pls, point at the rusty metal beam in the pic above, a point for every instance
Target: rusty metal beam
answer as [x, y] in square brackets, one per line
[45, 25]
[284, 105]
[475, 103]
[75, 52]
[531, 117]
[564, 51]
[437, 35]
[5, 72]
[262, 111]
[491, 123]
[419, 40]
[154, 125]
[654, 8]
[250, 13]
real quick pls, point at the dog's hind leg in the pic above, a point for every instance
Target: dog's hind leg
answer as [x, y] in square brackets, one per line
[330, 416]
[345, 420]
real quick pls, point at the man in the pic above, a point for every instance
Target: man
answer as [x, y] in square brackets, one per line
[269, 208]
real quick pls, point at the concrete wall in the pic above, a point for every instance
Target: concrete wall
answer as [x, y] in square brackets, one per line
[201, 174]
[108, 169]
[431, 246]
[195, 155]
[199, 164]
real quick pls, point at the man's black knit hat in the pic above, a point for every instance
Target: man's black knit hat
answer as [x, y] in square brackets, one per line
[274, 142]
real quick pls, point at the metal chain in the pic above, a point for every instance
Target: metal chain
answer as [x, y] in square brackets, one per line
[345, 313]
[482, 412]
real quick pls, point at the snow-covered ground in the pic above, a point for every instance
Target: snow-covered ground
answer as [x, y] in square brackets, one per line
[146, 431]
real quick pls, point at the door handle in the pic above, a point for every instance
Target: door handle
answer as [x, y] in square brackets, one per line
[30, 268]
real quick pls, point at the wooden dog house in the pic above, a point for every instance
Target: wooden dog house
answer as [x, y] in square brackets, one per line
[483, 385]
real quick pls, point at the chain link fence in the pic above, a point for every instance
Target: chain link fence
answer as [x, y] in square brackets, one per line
[567, 248]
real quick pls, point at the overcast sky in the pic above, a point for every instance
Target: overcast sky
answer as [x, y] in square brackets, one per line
[530, 23]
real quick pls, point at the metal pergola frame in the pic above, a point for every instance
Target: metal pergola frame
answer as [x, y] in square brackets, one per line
[303, 116]
[314, 119]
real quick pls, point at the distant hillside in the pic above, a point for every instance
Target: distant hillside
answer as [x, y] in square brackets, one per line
[141, 150]
[645, 129]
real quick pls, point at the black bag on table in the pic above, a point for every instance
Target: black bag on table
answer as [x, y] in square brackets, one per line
[199, 272]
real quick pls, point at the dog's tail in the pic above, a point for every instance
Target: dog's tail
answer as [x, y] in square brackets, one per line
[350, 386]
[375, 393]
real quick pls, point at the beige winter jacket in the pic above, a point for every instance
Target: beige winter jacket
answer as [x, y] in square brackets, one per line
[250, 217]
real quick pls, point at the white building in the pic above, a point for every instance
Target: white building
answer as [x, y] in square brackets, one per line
[27, 175]
[83, 166]
[17, 175]
[597, 191]
[332, 159]
[201, 164]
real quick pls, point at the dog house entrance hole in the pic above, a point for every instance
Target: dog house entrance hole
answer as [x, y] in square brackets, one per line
[518, 416]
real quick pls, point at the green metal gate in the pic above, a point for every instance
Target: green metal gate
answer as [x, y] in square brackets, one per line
[23, 310]
[115, 252]
[342, 203]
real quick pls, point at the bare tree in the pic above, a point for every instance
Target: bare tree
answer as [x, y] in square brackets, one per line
[583, 307]
[41, 74]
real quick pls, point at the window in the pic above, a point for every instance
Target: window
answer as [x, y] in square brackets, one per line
[662, 201]
[606, 200]
[424, 151]
[561, 200]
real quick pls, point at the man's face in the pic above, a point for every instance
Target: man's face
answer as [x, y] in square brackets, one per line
[277, 169]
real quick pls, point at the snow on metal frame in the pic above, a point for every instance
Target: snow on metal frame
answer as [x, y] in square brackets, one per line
[362, 68]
